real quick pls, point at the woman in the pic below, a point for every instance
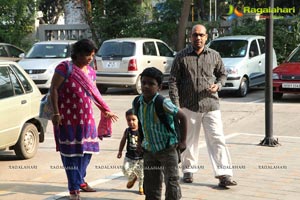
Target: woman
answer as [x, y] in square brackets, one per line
[73, 89]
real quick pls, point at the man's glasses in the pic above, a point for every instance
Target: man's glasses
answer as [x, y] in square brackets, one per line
[198, 34]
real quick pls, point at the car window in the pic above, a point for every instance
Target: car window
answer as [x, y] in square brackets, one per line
[14, 52]
[3, 52]
[6, 88]
[49, 51]
[117, 49]
[164, 50]
[17, 88]
[230, 48]
[253, 49]
[25, 83]
[295, 56]
[149, 49]
[262, 45]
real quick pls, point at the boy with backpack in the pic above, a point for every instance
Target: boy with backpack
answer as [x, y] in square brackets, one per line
[158, 138]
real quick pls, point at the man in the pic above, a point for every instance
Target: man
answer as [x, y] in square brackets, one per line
[197, 75]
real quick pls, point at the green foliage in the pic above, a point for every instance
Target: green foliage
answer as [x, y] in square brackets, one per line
[16, 21]
[130, 19]
[120, 19]
[286, 34]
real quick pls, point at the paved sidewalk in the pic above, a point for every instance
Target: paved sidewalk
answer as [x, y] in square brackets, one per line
[261, 172]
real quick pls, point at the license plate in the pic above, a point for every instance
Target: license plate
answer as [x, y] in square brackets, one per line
[111, 65]
[33, 76]
[290, 85]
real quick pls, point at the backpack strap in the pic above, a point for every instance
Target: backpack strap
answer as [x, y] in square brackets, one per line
[136, 106]
[160, 112]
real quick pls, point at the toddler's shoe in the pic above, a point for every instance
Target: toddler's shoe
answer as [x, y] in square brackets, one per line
[131, 183]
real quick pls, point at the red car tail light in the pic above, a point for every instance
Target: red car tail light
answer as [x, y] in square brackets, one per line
[132, 65]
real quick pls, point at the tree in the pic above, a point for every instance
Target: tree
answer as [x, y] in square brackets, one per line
[117, 18]
[16, 21]
[52, 10]
[183, 24]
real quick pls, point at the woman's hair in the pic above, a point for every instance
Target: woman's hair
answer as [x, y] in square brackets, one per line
[83, 47]
[153, 73]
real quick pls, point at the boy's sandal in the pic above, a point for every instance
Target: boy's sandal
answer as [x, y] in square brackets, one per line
[226, 181]
[188, 177]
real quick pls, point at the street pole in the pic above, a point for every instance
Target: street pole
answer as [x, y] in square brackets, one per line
[269, 140]
[210, 10]
[215, 10]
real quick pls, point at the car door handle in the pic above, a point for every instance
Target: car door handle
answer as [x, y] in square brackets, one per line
[23, 101]
[164, 62]
[148, 61]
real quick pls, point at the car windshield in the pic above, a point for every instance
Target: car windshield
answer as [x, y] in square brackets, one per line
[230, 48]
[49, 51]
[295, 56]
[116, 49]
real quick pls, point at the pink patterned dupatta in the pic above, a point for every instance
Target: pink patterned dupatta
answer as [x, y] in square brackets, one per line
[105, 123]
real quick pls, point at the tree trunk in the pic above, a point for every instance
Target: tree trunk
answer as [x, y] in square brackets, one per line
[183, 24]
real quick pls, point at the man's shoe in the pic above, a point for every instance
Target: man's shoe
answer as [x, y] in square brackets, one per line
[225, 181]
[188, 177]
[131, 183]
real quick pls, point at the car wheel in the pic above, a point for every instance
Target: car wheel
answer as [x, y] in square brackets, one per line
[28, 142]
[244, 87]
[102, 89]
[138, 86]
[277, 96]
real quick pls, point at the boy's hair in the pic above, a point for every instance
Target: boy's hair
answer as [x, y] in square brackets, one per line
[129, 112]
[153, 73]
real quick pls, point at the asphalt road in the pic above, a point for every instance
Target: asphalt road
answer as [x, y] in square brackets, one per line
[43, 176]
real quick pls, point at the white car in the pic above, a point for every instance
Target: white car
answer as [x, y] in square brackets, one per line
[244, 60]
[120, 61]
[43, 57]
[20, 127]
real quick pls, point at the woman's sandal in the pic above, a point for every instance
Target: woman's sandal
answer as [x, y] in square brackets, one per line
[86, 188]
[188, 177]
[226, 181]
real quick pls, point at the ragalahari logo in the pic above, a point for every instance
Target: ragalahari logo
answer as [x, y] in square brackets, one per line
[233, 13]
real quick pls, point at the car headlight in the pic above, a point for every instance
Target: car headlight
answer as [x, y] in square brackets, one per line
[275, 76]
[231, 70]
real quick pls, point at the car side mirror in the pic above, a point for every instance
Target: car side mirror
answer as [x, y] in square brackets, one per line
[22, 55]
[251, 54]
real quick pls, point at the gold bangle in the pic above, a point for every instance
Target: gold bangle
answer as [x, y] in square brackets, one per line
[56, 114]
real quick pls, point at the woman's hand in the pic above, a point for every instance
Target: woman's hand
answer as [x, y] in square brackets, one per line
[112, 116]
[56, 119]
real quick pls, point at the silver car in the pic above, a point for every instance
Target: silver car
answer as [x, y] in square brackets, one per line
[43, 57]
[244, 60]
[120, 61]
[20, 127]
